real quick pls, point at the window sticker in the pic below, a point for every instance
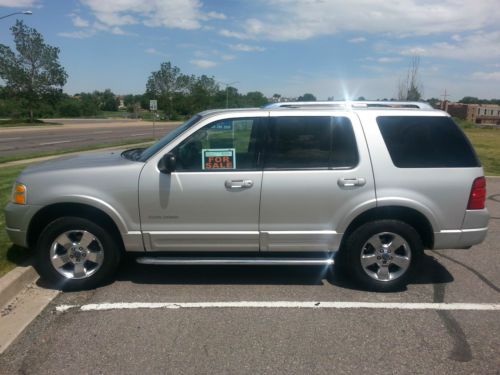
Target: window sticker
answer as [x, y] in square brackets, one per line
[222, 125]
[218, 158]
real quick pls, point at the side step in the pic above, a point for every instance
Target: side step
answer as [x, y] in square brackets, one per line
[257, 261]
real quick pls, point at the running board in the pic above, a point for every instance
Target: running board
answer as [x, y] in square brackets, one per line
[235, 261]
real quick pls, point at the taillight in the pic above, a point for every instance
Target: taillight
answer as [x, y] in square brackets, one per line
[477, 198]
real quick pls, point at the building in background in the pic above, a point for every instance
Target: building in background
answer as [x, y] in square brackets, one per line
[481, 114]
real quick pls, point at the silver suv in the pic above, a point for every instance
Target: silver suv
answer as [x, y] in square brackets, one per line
[365, 184]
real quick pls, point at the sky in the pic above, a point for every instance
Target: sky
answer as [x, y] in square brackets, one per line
[331, 48]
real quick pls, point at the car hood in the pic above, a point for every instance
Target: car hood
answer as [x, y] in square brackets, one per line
[83, 161]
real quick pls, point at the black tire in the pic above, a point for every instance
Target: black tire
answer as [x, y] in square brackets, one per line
[359, 244]
[105, 245]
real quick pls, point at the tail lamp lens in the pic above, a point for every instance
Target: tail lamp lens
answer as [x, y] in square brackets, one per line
[477, 198]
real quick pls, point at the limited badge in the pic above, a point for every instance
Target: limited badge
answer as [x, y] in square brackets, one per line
[218, 158]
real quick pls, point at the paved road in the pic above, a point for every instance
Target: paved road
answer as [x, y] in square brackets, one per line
[263, 340]
[76, 133]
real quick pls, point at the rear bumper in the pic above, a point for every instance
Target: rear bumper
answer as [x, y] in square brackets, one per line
[473, 232]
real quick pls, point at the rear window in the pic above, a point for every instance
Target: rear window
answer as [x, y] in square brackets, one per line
[426, 142]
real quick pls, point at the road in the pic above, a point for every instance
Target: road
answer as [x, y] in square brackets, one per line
[274, 340]
[76, 133]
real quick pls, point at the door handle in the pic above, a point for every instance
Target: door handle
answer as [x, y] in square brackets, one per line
[238, 184]
[351, 181]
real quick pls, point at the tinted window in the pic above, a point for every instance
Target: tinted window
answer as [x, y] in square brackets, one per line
[426, 142]
[222, 145]
[310, 142]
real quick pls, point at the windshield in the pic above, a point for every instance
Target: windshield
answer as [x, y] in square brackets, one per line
[150, 151]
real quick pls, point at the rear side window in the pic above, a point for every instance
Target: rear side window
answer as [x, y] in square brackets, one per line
[426, 142]
[305, 142]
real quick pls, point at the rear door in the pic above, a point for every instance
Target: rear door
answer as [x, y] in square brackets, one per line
[317, 177]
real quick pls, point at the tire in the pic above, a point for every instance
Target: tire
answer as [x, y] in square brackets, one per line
[75, 254]
[383, 255]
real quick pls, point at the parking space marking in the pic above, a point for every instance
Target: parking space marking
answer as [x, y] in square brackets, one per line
[103, 132]
[282, 304]
[134, 135]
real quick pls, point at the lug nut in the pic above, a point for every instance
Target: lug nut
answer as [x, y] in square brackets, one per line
[379, 257]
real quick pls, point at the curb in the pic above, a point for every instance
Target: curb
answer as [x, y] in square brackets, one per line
[15, 281]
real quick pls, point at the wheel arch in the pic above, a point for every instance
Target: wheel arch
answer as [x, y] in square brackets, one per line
[406, 214]
[54, 211]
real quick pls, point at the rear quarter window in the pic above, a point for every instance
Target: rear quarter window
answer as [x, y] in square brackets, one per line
[426, 142]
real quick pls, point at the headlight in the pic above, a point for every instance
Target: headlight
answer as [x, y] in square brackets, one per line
[19, 192]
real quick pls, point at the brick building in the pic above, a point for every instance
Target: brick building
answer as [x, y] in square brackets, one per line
[482, 114]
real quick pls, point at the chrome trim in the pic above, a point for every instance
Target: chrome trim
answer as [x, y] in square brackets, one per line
[234, 261]
[299, 231]
[200, 232]
[474, 230]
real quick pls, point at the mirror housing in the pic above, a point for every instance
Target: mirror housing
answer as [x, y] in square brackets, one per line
[167, 163]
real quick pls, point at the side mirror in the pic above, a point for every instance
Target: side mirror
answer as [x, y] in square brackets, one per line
[167, 163]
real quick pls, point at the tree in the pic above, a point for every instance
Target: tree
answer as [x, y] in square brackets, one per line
[410, 87]
[34, 72]
[307, 98]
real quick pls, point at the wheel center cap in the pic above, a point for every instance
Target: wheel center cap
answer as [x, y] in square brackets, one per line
[386, 256]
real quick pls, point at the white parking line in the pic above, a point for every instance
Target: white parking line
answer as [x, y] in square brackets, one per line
[133, 135]
[103, 132]
[52, 143]
[282, 304]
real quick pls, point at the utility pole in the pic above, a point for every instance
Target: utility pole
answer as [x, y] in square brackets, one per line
[444, 103]
[26, 12]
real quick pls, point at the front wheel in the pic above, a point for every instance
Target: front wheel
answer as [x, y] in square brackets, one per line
[383, 254]
[76, 253]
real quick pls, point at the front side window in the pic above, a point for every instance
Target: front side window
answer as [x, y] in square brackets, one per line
[310, 142]
[230, 144]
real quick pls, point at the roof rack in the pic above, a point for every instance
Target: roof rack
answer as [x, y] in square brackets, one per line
[351, 105]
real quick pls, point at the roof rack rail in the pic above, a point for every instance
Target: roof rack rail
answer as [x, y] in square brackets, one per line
[351, 105]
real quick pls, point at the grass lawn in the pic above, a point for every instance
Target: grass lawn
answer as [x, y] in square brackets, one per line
[10, 255]
[487, 145]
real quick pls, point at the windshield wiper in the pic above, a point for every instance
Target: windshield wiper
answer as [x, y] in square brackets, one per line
[133, 154]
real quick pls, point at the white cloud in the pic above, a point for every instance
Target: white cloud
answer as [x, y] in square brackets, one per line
[357, 40]
[203, 64]
[80, 34]
[154, 51]
[228, 57]
[18, 3]
[246, 48]
[388, 60]
[487, 76]
[233, 34]
[477, 46]
[304, 19]
[80, 22]
[181, 14]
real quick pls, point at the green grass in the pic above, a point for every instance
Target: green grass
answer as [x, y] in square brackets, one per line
[10, 255]
[6, 159]
[487, 145]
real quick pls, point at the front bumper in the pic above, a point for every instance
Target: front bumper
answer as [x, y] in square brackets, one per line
[17, 220]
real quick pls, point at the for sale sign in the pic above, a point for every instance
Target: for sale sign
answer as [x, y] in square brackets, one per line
[218, 158]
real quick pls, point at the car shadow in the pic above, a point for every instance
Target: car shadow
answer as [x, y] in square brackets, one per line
[20, 256]
[430, 272]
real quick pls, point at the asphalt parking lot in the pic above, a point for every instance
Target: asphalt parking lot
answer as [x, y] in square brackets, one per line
[262, 339]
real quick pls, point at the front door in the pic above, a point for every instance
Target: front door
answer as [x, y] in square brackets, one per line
[211, 201]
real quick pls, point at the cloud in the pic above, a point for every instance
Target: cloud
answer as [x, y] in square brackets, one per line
[388, 60]
[180, 14]
[284, 20]
[228, 57]
[476, 46]
[357, 40]
[203, 64]
[154, 51]
[487, 76]
[79, 34]
[246, 48]
[80, 22]
[234, 34]
[18, 3]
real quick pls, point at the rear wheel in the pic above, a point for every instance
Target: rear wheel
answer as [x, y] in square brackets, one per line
[383, 254]
[76, 253]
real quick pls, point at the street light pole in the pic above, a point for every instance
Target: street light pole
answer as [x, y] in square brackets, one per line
[227, 91]
[26, 12]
